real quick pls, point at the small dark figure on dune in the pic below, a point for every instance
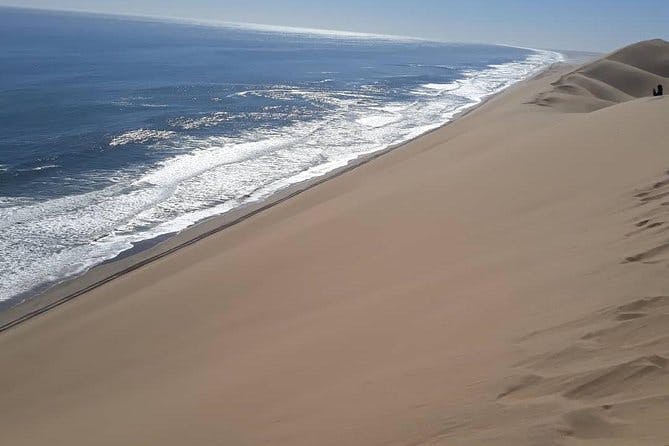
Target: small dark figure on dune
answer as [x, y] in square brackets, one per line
[659, 91]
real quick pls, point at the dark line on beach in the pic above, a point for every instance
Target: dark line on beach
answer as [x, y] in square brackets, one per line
[271, 203]
[198, 237]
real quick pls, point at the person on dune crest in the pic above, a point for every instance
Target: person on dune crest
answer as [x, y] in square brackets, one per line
[659, 91]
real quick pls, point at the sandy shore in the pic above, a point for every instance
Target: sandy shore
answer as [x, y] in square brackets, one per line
[502, 280]
[36, 302]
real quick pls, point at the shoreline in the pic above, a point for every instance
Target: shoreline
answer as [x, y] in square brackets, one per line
[31, 305]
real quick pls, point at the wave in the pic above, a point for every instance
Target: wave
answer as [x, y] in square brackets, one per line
[140, 136]
[38, 168]
[196, 123]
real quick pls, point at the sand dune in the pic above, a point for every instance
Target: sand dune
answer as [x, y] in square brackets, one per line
[500, 281]
[651, 56]
[631, 72]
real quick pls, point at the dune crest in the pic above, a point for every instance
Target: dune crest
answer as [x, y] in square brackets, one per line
[626, 74]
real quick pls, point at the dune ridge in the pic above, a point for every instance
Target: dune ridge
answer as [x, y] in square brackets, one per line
[629, 73]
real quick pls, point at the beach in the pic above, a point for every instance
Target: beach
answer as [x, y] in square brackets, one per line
[499, 280]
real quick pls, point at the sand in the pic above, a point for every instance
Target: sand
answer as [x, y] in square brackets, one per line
[502, 280]
[629, 73]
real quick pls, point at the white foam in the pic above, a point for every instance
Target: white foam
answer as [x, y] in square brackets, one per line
[38, 168]
[377, 120]
[205, 121]
[442, 87]
[140, 136]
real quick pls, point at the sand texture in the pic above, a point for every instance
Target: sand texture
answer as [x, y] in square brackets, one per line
[500, 281]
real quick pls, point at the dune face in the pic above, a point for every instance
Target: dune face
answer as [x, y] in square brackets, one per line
[610, 384]
[499, 281]
[629, 73]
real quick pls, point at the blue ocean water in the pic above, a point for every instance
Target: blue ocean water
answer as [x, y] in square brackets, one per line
[117, 130]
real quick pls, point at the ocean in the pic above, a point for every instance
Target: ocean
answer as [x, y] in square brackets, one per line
[118, 130]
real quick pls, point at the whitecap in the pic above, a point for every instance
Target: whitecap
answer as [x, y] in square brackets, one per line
[38, 168]
[204, 121]
[140, 136]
